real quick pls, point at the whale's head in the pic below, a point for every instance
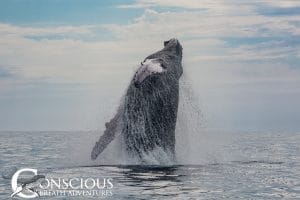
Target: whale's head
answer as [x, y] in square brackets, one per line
[161, 65]
[173, 47]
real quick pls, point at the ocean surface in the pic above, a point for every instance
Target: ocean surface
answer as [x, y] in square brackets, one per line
[249, 165]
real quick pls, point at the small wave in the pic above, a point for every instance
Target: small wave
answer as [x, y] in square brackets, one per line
[259, 162]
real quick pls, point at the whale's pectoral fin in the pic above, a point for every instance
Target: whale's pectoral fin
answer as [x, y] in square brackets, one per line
[108, 135]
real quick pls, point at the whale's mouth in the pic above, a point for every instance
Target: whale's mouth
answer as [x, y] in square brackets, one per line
[147, 68]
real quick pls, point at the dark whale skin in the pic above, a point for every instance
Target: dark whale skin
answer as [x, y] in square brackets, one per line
[150, 111]
[148, 115]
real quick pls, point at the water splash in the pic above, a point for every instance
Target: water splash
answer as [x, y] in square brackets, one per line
[194, 143]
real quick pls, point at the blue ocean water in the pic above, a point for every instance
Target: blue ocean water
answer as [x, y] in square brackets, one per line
[252, 165]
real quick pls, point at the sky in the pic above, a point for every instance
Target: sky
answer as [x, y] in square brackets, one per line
[64, 64]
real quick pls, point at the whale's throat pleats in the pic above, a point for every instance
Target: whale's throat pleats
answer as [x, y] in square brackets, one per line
[150, 120]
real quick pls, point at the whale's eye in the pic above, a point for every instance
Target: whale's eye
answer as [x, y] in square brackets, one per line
[163, 66]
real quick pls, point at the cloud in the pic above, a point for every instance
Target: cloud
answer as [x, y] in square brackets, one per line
[153, 24]
[22, 31]
[284, 3]
[268, 51]
[191, 4]
[202, 32]
[215, 5]
[203, 35]
[66, 60]
[231, 51]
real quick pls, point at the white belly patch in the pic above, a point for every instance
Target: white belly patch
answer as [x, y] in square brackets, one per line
[148, 67]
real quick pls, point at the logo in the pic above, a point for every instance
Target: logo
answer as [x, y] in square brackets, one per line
[23, 190]
[31, 186]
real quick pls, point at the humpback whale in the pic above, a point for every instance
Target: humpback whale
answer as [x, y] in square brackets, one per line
[146, 118]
